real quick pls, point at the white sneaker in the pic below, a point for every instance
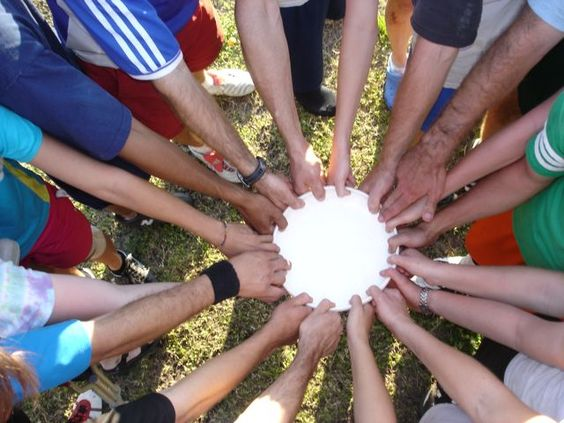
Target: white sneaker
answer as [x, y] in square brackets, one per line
[422, 283]
[215, 162]
[87, 408]
[228, 82]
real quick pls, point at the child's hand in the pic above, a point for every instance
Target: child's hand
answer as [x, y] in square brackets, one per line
[359, 321]
[416, 263]
[390, 306]
[408, 289]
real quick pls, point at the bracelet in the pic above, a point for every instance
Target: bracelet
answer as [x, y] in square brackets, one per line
[424, 302]
[224, 235]
[224, 280]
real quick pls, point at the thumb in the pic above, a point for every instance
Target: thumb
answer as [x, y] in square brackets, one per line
[323, 307]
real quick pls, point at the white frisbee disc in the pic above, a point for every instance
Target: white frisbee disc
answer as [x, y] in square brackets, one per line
[337, 248]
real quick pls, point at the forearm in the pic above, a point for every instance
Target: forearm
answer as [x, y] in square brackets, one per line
[148, 318]
[199, 112]
[472, 386]
[518, 329]
[122, 188]
[161, 158]
[281, 401]
[360, 33]
[499, 71]
[504, 148]
[370, 395]
[537, 290]
[260, 24]
[208, 384]
[492, 195]
[421, 84]
[71, 303]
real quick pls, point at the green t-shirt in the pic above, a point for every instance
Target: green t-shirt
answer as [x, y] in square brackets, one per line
[538, 224]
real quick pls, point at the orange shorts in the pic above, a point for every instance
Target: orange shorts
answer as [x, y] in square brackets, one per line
[200, 41]
[491, 242]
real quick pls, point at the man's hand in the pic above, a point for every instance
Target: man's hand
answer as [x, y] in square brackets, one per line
[307, 173]
[416, 237]
[261, 275]
[287, 317]
[320, 332]
[340, 174]
[390, 306]
[377, 184]
[419, 173]
[279, 190]
[360, 320]
[239, 238]
[260, 213]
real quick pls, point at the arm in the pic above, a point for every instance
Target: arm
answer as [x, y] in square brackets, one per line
[502, 67]
[472, 386]
[421, 84]
[492, 195]
[260, 25]
[319, 336]
[540, 339]
[370, 395]
[207, 385]
[122, 188]
[537, 290]
[197, 109]
[360, 32]
[157, 156]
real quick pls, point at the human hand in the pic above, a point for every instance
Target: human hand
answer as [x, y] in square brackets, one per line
[287, 317]
[260, 213]
[320, 332]
[390, 306]
[418, 236]
[339, 174]
[408, 215]
[261, 275]
[359, 321]
[408, 289]
[239, 238]
[307, 173]
[418, 264]
[377, 184]
[279, 191]
[418, 174]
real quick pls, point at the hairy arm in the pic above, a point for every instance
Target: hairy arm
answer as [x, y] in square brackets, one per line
[148, 318]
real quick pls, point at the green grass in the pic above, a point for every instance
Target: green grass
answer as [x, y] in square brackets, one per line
[180, 256]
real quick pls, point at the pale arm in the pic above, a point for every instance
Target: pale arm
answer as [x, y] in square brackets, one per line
[360, 33]
[260, 24]
[122, 188]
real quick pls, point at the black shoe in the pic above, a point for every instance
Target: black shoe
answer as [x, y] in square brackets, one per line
[133, 269]
[321, 102]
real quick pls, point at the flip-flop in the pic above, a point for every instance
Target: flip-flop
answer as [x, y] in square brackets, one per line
[128, 360]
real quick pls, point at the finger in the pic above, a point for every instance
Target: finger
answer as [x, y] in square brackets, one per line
[429, 210]
[269, 247]
[279, 220]
[375, 198]
[280, 264]
[340, 189]
[318, 190]
[411, 214]
[355, 301]
[293, 201]
[323, 307]
[395, 204]
[274, 293]
[301, 300]
[374, 292]
[279, 278]
[351, 181]
[397, 276]
[402, 239]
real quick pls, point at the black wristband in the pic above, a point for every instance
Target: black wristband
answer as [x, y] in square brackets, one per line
[254, 177]
[224, 280]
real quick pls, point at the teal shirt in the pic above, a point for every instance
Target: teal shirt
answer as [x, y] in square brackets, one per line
[24, 200]
[538, 224]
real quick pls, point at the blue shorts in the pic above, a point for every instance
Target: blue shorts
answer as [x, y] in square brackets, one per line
[444, 97]
[57, 353]
[39, 82]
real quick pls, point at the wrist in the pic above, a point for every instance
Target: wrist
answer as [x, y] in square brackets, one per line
[308, 355]
[224, 280]
[357, 342]
[250, 179]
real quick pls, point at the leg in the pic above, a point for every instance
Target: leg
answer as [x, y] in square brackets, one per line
[303, 27]
[398, 26]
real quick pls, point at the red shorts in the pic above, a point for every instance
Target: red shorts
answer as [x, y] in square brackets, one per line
[490, 241]
[67, 238]
[200, 41]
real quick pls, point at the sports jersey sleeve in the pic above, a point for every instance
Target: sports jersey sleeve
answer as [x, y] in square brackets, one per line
[19, 138]
[545, 151]
[56, 353]
[130, 33]
[447, 22]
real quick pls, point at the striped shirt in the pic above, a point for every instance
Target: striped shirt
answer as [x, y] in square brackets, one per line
[136, 36]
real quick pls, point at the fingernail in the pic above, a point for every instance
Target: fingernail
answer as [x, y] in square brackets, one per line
[380, 218]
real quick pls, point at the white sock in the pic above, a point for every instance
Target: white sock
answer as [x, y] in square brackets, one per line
[394, 68]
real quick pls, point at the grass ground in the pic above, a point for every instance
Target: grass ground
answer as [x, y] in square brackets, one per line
[180, 256]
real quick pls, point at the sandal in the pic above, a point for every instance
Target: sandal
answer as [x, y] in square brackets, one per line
[122, 364]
